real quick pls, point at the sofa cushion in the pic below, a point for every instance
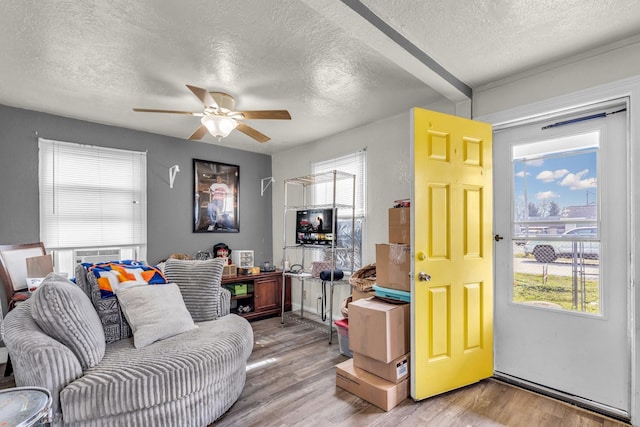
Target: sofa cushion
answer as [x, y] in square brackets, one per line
[128, 379]
[199, 283]
[154, 312]
[63, 311]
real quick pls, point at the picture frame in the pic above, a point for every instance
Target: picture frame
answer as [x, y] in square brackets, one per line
[215, 197]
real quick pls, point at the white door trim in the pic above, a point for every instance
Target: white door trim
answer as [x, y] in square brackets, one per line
[625, 88]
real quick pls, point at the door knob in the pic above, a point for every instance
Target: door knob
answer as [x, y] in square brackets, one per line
[421, 256]
[423, 277]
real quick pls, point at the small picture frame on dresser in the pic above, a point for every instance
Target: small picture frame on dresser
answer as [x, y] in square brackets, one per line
[243, 258]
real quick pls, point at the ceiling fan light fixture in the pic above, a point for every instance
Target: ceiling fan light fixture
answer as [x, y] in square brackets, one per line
[219, 126]
[219, 118]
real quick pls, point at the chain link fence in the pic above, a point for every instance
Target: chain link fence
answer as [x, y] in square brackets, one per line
[557, 274]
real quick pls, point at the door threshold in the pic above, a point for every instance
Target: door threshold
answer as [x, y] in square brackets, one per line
[590, 405]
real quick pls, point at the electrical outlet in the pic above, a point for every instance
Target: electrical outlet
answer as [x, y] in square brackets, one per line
[304, 294]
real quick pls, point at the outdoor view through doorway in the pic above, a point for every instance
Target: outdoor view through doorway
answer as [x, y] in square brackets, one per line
[556, 243]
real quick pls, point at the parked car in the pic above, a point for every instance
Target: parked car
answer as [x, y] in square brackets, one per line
[529, 231]
[550, 250]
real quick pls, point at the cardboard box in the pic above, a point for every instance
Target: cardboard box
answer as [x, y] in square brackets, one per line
[400, 225]
[378, 329]
[384, 394]
[357, 294]
[393, 265]
[229, 270]
[395, 371]
[39, 266]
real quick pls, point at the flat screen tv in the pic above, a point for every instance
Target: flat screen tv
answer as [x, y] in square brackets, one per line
[313, 227]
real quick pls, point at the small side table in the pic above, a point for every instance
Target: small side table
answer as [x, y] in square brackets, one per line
[25, 407]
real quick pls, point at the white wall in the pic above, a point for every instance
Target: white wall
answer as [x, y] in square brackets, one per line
[588, 70]
[388, 179]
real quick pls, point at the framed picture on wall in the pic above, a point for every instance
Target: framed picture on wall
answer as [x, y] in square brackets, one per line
[215, 199]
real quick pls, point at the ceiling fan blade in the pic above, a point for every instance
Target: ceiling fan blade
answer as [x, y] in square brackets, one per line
[204, 96]
[149, 110]
[249, 131]
[266, 114]
[199, 133]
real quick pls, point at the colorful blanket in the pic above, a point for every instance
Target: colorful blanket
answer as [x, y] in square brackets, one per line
[123, 274]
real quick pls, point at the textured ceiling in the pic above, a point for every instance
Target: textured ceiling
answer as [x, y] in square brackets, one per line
[333, 70]
[481, 41]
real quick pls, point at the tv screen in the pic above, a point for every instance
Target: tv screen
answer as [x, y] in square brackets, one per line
[313, 226]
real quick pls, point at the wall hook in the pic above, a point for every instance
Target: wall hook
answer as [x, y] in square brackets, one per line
[173, 170]
[265, 183]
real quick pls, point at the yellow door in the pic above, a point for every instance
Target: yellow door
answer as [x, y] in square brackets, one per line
[452, 290]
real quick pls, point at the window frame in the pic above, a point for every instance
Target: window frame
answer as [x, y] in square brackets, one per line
[345, 163]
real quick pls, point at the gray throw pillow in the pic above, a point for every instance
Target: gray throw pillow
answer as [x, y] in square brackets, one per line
[199, 283]
[63, 311]
[81, 280]
[154, 312]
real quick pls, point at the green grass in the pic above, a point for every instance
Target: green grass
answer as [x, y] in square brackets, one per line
[557, 289]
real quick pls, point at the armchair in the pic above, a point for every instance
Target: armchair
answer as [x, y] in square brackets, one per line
[13, 269]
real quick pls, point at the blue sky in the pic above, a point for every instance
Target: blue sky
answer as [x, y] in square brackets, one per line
[567, 179]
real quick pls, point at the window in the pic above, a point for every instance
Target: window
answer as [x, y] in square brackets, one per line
[555, 219]
[92, 203]
[354, 163]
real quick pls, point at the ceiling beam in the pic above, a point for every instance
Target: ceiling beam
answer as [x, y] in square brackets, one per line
[360, 22]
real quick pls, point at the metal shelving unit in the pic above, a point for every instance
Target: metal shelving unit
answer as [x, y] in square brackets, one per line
[301, 201]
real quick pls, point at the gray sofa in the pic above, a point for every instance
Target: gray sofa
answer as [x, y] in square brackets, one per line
[189, 379]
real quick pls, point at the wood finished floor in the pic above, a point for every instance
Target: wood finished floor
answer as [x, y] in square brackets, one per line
[291, 382]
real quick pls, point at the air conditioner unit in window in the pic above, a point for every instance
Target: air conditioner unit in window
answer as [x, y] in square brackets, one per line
[97, 255]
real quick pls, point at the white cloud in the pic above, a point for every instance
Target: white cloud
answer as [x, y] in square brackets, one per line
[544, 195]
[521, 174]
[575, 181]
[536, 162]
[550, 176]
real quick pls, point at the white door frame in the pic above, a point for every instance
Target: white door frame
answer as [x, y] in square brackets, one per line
[625, 88]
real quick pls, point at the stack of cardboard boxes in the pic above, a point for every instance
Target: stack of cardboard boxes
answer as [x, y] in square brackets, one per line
[379, 341]
[393, 259]
[379, 330]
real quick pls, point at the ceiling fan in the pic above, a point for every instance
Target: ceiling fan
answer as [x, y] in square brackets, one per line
[219, 118]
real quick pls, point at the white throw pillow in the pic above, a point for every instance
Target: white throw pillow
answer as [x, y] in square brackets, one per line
[154, 312]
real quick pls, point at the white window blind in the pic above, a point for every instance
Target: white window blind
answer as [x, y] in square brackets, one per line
[91, 196]
[354, 163]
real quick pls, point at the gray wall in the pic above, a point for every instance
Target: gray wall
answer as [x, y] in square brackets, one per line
[169, 211]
